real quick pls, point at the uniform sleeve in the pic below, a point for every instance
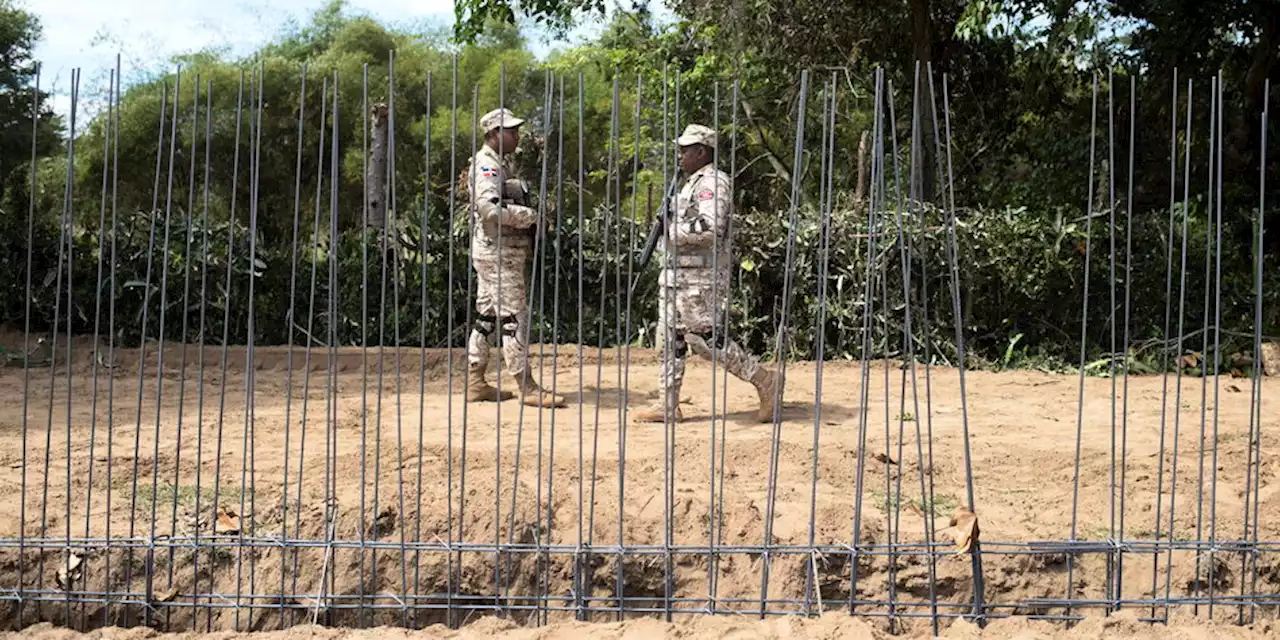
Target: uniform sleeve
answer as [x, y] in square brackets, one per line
[489, 188]
[704, 216]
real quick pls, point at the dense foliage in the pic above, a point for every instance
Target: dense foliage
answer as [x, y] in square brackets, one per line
[1020, 89]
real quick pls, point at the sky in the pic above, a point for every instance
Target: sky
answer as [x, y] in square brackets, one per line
[148, 33]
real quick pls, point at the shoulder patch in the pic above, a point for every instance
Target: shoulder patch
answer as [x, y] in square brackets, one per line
[706, 194]
[488, 172]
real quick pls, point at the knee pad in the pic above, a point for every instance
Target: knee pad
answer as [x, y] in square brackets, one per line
[714, 339]
[510, 325]
[679, 347]
[484, 325]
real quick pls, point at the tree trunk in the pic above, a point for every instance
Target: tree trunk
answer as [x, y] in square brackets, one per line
[1262, 61]
[376, 178]
[784, 174]
[860, 189]
[923, 169]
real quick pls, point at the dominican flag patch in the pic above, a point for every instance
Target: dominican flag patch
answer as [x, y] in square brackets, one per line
[488, 172]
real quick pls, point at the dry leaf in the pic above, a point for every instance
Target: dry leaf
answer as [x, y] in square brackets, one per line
[70, 571]
[1233, 388]
[228, 522]
[1190, 361]
[963, 529]
[102, 360]
[167, 596]
[884, 459]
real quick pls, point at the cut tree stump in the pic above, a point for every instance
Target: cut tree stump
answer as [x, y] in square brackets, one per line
[1270, 358]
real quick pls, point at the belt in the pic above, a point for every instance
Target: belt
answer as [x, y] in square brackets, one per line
[510, 237]
[693, 261]
[515, 240]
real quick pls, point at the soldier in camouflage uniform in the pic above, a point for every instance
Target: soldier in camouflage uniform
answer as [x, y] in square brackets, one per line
[501, 247]
[694, 291]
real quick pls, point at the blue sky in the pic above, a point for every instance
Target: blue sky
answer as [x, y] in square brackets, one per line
[147, 33]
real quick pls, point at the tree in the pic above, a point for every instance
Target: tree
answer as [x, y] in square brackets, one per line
[1198, 39]
[474, 17]
[19, 31]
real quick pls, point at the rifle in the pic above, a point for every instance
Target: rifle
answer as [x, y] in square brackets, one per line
[655, 235]
[520, 196]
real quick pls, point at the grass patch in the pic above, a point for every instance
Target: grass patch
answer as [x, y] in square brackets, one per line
[163, 496]
[942, 505]
[1097, 532]
[884, 502]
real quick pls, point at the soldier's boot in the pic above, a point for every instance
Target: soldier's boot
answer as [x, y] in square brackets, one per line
[535, 396]
[478, 390]
[767, 384]
[666, 408]
[657, 413]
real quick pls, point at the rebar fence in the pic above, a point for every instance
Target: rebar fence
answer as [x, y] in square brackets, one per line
[255, 424]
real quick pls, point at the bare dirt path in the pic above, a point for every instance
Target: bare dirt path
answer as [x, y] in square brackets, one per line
[392, 478]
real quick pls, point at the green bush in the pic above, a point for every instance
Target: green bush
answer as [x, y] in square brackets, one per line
[1021, 282]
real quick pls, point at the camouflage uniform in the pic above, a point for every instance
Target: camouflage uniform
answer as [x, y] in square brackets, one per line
[694, 287]
[503, 227]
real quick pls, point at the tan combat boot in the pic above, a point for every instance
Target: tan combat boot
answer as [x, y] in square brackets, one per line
[658, 414]
[767, 384]
[534, 396]
[480, 391]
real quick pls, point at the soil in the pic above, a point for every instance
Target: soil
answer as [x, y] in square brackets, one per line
[826, 627]
[388, 477]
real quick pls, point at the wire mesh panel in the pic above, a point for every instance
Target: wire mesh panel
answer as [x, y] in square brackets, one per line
[331, 373]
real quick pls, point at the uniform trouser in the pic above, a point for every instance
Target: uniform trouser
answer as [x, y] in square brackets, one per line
[502, 306]
[687, 321]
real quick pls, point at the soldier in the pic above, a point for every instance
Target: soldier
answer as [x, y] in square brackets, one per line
[693, 294]
[501, 246]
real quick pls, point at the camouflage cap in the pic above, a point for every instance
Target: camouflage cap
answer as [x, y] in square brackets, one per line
[499, 118]
[697, 134]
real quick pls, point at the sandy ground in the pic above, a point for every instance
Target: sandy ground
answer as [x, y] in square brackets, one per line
[394, 480]
[828, 627]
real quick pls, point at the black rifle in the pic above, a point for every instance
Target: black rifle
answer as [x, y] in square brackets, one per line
[655, 235]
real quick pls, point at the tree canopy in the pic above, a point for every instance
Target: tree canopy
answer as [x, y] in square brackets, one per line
[19, 31]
